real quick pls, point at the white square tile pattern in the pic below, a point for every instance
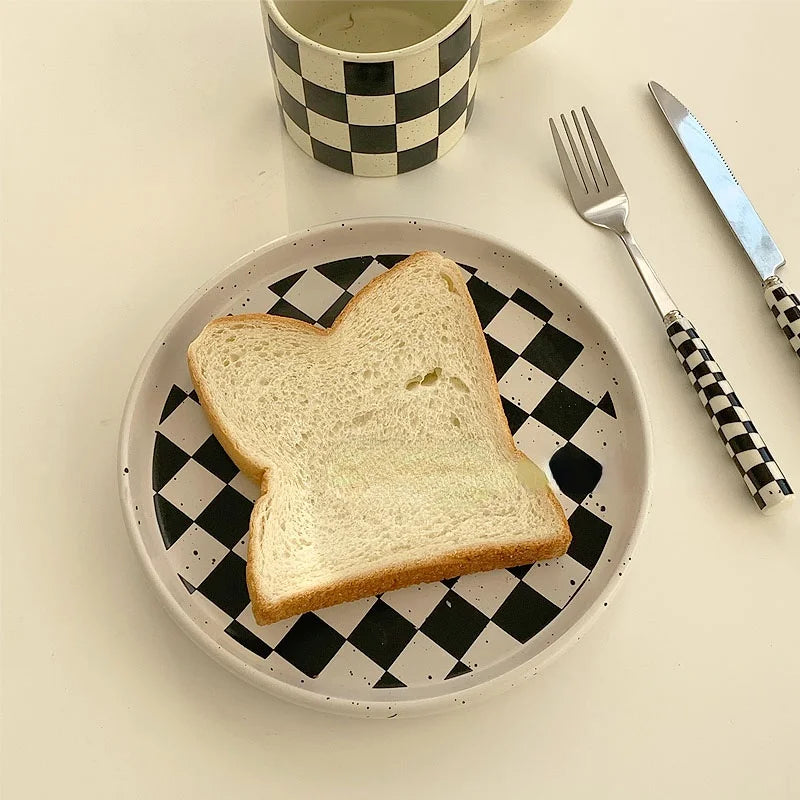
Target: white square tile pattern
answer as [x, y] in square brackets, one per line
[557, 579]
[322, 68]
[375, 165]
[514, 326]
[593, 436]
[421, 658]
[198, 552]
[313, 294]
[192, 488]
[240, 548]
[187, 427]
[486, 590]
[422, 129]
[351, 665]
[370, 109]
[524, 385]
[415, 603]
[330, 131]
[271, 634]
[537, 441]
[372, 271]
[448, 139]
[415, 71]
[344, 617]
[491, 645]
[246, 487]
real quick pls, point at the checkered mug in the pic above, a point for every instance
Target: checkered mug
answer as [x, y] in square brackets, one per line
[381, 87]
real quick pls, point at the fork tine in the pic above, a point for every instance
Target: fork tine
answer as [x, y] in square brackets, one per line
[599, 179]
[602, 154]
[576, 188]
[587, 182]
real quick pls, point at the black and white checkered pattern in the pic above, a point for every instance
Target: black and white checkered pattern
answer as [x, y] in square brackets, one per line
[761, 474]
[376, 118]
[423, 634]
[785, 308]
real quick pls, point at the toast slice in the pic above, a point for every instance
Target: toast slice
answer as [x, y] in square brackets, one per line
[381, 446]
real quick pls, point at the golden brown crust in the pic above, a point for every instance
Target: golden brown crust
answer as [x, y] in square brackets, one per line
[462, 562]
[459, 563]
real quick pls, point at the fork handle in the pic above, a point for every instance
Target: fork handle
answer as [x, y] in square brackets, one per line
[785, 308]
[762, 476]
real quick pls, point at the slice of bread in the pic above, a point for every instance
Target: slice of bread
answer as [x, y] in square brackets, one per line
[381, 445]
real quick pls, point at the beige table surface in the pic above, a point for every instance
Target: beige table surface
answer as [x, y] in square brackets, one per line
[142, 153]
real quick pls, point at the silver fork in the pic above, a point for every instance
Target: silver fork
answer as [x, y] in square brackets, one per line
[600, 199]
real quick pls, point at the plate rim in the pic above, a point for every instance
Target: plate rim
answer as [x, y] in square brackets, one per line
[378, 708]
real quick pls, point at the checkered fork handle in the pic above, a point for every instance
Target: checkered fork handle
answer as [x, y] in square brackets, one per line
[785, 308]
[762, 476]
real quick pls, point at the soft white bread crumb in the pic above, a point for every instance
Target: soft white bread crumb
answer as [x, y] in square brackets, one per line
[383, 452]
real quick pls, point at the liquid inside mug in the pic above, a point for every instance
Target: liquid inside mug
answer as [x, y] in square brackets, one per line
[381, 87]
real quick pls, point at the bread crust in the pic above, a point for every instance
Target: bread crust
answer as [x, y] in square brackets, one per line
[462, 562]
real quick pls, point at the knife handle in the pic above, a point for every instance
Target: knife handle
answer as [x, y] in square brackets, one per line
[762, 476]
[785, 308]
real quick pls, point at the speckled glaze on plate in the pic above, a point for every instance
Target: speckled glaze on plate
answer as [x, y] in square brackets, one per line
[573, 403]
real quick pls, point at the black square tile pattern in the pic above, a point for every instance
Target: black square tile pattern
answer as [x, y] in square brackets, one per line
[332, 156]
[227, 516]
[248, 639]
[382, 634]
[417, 102]
[211, 455]
[285, 47]
[514, 414]
[455, 47]
[310, 644]
[172, 522]
[589, 536]
[453, 109]
[226, 586]
[174, 399]
[454, 624]
[576, 473]
[525, 613]
[563, 411]
[373, 138]
[294, 109]
[408, 160]
[168, 459]
[369, 78]
[502, 357]
[488, 301]
[325, 102]
[345, 271]
[552, 351]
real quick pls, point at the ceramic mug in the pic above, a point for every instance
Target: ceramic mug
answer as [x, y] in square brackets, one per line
[381, 87]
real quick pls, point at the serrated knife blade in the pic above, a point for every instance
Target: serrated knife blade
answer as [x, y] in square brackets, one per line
[717, 176]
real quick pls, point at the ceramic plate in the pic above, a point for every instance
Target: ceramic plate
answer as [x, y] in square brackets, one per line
[573, 404]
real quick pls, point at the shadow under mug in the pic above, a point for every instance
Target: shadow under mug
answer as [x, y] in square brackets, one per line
[381, 87]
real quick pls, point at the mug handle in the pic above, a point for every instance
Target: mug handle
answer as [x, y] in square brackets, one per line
[511, 24]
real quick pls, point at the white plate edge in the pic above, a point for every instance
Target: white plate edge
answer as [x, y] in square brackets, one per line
[378, 709]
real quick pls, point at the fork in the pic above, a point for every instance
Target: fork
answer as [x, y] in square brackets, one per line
[600, 199]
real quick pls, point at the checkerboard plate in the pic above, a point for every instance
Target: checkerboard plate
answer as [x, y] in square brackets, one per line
[572, 403]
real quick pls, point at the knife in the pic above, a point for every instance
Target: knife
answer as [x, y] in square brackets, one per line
[737, 209]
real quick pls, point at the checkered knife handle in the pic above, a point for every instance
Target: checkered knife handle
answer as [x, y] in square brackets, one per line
[762, 476]
[785, 308]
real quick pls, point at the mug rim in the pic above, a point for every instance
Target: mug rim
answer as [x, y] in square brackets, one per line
[384, 55]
